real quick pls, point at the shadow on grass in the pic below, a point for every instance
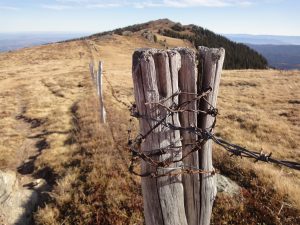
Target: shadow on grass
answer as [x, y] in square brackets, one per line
[40, 197]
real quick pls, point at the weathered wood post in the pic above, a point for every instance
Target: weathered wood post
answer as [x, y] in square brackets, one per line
[100, 94]
[191, 184]
[164, 79]
[155, 76]
[210, 68]
[91, 65]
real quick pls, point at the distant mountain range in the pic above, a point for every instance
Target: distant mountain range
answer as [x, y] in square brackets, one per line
[280, 56]
[282, 52]
[13, 41]
[264, 39]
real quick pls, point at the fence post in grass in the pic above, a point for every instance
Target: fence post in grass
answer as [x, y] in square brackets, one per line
[210, 68]
[100, 94]
[91, 65]
[155, 77]
[187, 83]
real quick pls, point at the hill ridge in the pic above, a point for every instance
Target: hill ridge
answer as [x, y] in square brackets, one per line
[238, 55]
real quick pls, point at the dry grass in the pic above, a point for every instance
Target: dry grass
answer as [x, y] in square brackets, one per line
[258, 109]
[97, 188]
[38, 87]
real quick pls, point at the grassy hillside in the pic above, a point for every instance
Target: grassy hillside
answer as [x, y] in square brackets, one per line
[49, 129]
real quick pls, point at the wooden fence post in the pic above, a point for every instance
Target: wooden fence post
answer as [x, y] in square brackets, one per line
[158, 75]
[191, 185]
[155, 76]
[100, 94]
[91, 65]
[210, 68]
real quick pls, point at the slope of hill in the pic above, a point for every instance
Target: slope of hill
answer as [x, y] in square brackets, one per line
[280, 56]
[238, 56]
[49, 129]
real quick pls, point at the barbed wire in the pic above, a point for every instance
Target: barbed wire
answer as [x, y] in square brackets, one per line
[165, 167]
[258, 156]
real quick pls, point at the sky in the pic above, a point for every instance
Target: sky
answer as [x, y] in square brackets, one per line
[274, 17]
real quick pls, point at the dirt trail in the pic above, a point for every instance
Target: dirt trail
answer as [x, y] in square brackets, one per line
[39, 86]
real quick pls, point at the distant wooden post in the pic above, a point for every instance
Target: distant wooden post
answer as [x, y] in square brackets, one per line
[100, 94]
[211, 63]
[191, 184]
[155, 76]
[95, 76]
[91, 65]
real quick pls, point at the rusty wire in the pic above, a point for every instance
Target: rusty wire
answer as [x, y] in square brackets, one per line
[202, 135]
[176, 158]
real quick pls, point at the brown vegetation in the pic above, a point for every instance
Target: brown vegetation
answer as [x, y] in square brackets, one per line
[49, 111]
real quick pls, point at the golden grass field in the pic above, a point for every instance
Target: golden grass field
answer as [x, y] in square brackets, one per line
[49, 129]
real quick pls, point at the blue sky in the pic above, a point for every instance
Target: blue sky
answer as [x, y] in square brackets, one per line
[276, 17]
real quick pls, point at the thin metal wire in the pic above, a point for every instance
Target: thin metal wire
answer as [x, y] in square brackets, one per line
[174, 152]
